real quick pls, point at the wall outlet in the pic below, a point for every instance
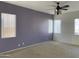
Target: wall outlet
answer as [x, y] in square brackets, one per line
[19, 45]
[23, 43]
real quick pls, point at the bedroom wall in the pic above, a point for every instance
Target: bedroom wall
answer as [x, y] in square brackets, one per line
[31, 27]
[67, 28]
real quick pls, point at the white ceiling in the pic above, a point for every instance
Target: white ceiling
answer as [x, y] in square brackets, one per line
[46, 6]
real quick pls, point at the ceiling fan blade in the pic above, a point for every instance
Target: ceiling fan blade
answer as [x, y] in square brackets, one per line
[64, 9]
[65, 6]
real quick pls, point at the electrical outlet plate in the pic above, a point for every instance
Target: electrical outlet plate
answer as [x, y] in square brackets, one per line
[19, 45]
[23, 43]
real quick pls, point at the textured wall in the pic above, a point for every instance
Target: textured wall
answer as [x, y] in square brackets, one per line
[31, 27]
[67, 28]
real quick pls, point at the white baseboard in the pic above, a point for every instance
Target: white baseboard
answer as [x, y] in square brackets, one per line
[3, 53]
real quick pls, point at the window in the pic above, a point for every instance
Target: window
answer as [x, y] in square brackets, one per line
[8, 25]
[57, 26]
[76, 26]
[50, 26]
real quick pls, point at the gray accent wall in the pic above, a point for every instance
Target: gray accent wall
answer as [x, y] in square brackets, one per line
[31, 27]
[67, 28]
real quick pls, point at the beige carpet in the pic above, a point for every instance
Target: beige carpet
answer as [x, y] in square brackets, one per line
[48, 49]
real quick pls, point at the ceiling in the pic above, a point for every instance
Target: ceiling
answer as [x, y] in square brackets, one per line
[46, 6]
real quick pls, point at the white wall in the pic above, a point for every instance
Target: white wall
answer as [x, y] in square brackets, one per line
[67, 28]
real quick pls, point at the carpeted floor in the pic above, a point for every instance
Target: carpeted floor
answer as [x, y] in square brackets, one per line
[48, 49]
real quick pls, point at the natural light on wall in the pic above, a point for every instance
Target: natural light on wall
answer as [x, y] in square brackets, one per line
[57, 26]
[50, 26]
[76, 23]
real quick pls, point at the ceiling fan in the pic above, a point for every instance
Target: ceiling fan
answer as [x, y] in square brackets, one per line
[59, 8]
